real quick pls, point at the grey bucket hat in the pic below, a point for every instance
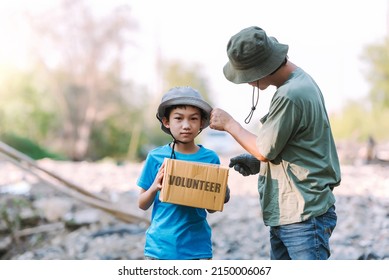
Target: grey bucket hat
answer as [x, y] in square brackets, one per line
[183, 96]
[252, 55]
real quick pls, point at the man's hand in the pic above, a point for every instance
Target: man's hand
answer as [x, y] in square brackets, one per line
[220, 119]
[245, 164]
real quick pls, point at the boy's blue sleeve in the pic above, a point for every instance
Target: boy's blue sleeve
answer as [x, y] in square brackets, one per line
[148, 173]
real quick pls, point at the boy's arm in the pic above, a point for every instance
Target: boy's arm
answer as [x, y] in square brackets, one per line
[146, 197]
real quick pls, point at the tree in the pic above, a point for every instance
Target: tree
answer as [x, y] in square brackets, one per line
[24, 110]
[82, 57]
[367, 118]
[377, 58]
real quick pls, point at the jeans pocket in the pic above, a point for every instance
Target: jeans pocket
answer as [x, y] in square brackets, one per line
[329, 221]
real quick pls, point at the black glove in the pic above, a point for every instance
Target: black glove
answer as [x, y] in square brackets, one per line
[245, 164]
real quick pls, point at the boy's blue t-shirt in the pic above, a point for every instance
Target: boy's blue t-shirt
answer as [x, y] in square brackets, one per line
[176, 231]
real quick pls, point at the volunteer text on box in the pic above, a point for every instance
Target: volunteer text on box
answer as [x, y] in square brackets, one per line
[200, 185]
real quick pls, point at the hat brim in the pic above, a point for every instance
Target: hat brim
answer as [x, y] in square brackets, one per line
[240, 76]
[186, 101]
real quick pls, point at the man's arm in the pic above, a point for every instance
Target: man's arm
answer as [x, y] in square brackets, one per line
[221, 120]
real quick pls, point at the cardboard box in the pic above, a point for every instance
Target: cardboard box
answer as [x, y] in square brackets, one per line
[194, 184]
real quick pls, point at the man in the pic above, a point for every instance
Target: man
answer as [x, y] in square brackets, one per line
[294, 151]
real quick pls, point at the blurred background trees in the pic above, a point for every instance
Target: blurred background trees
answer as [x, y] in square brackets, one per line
[366, 118]
[78, 100]
[80, 56]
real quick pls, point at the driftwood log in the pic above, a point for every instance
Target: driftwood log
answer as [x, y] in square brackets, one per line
[29, 165]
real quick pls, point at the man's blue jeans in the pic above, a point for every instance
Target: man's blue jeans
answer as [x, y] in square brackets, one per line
[308, 240]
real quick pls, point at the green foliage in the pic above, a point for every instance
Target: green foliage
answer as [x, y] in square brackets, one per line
[88, 76]
[25, 108]
[30, 120]
[368, 118]
[129, 128]
[377, 58]
[84, 105]
[28, 147]
[109, 139]
[350, 122]
[27, 114]
[358, 122]
[152, 138]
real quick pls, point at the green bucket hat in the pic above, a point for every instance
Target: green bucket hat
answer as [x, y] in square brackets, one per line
[183, 96]
[252, 55]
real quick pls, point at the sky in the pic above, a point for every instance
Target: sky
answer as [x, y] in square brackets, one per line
[326, 38]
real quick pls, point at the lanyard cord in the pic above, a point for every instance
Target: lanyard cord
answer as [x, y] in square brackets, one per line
[254, 106]
[173, 154]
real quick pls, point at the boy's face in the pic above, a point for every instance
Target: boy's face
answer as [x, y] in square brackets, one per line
[184, 123]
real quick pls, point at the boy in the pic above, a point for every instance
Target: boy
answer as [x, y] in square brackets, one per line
[176, 231]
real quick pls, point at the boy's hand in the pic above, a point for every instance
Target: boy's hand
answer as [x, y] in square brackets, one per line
[157, 184]
[227, 197]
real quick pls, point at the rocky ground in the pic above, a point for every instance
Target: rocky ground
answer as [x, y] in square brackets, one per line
[41, 222]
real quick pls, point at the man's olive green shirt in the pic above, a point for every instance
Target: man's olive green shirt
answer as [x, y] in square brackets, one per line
[297, 182]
